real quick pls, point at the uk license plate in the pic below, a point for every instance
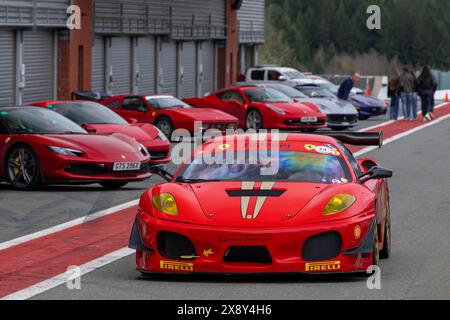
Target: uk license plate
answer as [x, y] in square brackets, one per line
[126, 166]
[309, 119]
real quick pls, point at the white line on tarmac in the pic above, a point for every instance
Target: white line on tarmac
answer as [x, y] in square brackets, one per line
[62, 278]
[124, 252]
[66, 225]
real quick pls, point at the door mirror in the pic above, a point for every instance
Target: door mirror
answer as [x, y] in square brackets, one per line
[89, 128]
[367, 164]
[161, 171]
[132, 121]
[375, 173]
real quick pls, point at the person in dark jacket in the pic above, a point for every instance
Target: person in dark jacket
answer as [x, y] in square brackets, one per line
[394, 94]
[427, 86]
[408, 85]
[347, 85]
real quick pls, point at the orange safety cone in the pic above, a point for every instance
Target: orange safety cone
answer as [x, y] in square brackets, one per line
[368, 91]
[446, 97]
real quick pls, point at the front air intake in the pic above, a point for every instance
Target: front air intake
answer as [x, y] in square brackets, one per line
[324, 246]
[175, 246]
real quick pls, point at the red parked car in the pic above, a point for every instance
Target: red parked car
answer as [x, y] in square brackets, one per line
[98, 119]
[168, 113]
[263, 108]
[321, 211]
[39, 146]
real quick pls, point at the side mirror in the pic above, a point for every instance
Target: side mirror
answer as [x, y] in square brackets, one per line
[282, 78]
[132, 121]
[161, 171]
[367, 164]
[89, 128]
[375, 173]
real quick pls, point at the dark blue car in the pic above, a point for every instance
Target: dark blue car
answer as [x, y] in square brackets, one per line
[368, 106]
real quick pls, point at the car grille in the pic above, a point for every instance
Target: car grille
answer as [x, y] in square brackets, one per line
[250, 254]
[157, 155]
[339, 118]
[377, 110]
[100, 169]
[323, 246]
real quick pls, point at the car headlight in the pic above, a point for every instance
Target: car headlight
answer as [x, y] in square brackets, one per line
[66, 151]
[277, 110]
[165, 202]
[338, 203]
[161, 135]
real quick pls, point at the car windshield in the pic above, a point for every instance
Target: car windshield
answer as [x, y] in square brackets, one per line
[87, 113]
[289, 91]
[294, 74]
[266, 95]
[37, 121]
[166, 102]
[316, 92]
[288, 166]
[329, 87]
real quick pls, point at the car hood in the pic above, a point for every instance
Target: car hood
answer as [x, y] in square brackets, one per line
[142, 133]
[286, 204]
[332, 106]
[366, 101]
[102, 147]
[204, 114]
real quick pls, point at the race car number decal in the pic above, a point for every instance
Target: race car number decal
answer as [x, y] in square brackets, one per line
[323, 149]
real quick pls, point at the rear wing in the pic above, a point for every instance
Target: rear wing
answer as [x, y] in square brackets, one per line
[356, 138]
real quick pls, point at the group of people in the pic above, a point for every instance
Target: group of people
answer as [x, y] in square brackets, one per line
[404, 89]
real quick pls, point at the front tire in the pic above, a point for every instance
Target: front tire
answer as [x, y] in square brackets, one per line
[166, 126]
[22, 168]
[113, 185]
[253, 120]
[376, 248]
[385, 252]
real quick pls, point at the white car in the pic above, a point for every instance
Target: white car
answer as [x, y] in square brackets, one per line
[265, 74]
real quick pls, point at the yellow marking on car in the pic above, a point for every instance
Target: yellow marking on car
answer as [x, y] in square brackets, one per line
[176, 266]
[326, 266]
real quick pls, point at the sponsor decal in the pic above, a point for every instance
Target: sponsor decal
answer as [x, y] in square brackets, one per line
[327, 266]
[323, 149]
[176, 266]
[357, 232]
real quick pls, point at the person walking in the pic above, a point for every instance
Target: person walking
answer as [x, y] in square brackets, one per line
[394, 94]
[347, 85]
[415, 95]
[427, 86]
[407, 93]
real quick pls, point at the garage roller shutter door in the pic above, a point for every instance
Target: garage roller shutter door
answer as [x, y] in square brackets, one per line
[98, 64]
[188, 60]
[146, 61]
[169, 68]
[208, 56]
[121, 64]
[38, 57]
[6, 67]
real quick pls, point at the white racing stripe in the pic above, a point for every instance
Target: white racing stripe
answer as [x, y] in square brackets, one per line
[62, 278]
[124, 252]
[67, 225]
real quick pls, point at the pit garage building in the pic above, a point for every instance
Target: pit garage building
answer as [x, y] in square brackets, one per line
[181, 47]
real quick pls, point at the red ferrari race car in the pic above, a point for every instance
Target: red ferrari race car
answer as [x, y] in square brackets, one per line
[168, 113]
[319, 211]
[98, 119]
[263, 108]
[39, 146]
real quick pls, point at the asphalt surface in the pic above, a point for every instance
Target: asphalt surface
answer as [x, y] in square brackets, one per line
[418, 268]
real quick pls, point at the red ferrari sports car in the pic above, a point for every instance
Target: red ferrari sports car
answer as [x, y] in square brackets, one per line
[319, 211]
[263, 108]
[98, 119]
[168, 113]
[39, 146]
